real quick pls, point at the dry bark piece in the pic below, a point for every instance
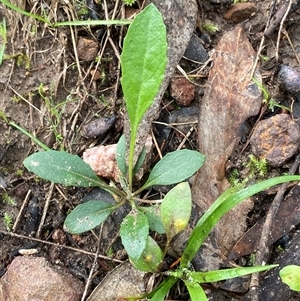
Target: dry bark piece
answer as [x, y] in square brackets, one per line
[182, 91]
[180, 20]
[281, 226]
[275, 139]
[33, 278]
[123, 281]
[240, 12]
[230, 98]
[87, 49]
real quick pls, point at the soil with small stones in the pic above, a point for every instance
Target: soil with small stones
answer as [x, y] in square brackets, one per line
[53, 88]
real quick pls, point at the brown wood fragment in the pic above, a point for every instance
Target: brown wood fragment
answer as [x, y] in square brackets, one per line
[230, 98]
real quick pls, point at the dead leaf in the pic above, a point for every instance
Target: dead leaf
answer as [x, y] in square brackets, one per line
[230, 98]
[288, 216]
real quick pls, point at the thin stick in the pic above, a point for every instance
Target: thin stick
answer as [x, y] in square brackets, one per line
[156, 144]
[57, 245]
[25, 202]
[280, 28]
[38, 233]
[89, 280]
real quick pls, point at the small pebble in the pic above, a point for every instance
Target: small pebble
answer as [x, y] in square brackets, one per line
[182, 91]
[87, 49]
[290, 79]
[195, 50]
[276, 139]
[98, 127]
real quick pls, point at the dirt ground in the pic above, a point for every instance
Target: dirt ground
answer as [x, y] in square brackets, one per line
[52, 87]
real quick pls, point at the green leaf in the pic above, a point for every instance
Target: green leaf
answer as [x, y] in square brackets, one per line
[154, 218]
[150, 259]
[290, 275]
[223, 204]
[219, 275]
[175, 167]
[134, 233]
[143, 62]
[175, 209]
[140, 161]
[87, 216]
[121, 154]
[196, 291]
[63, 168]
[163, 289]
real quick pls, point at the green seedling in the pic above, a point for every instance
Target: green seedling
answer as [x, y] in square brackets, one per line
[55, 112]
[210, 27]
[8, 221]
[268, 100]
[257, 166]
[4, 39]
[8, 200]
[290, 275]
[143, 64]
[129, 2]
[221, 206]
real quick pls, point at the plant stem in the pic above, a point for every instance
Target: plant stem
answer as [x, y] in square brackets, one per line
[131, 156]
[37, 141]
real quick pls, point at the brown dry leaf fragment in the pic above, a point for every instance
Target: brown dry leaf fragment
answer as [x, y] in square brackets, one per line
[281, 226]
[180, 21]
[230, 98]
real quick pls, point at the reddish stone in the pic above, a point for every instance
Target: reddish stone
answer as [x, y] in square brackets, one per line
[33, 278]
[182, 90]
[276, 139]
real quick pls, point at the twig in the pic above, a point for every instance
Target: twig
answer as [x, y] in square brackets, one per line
[261, 45]
[25, 202]
[38, 233]
[57, 245]
[280, 28]
[89, 280]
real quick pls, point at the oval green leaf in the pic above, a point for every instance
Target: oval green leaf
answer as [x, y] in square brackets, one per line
[175, 167]
[134, 233]
[87, 216]
[62, 168]
[150, 259]
[143, 70]
[290, 275]
[175, 210]
[154, 218]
